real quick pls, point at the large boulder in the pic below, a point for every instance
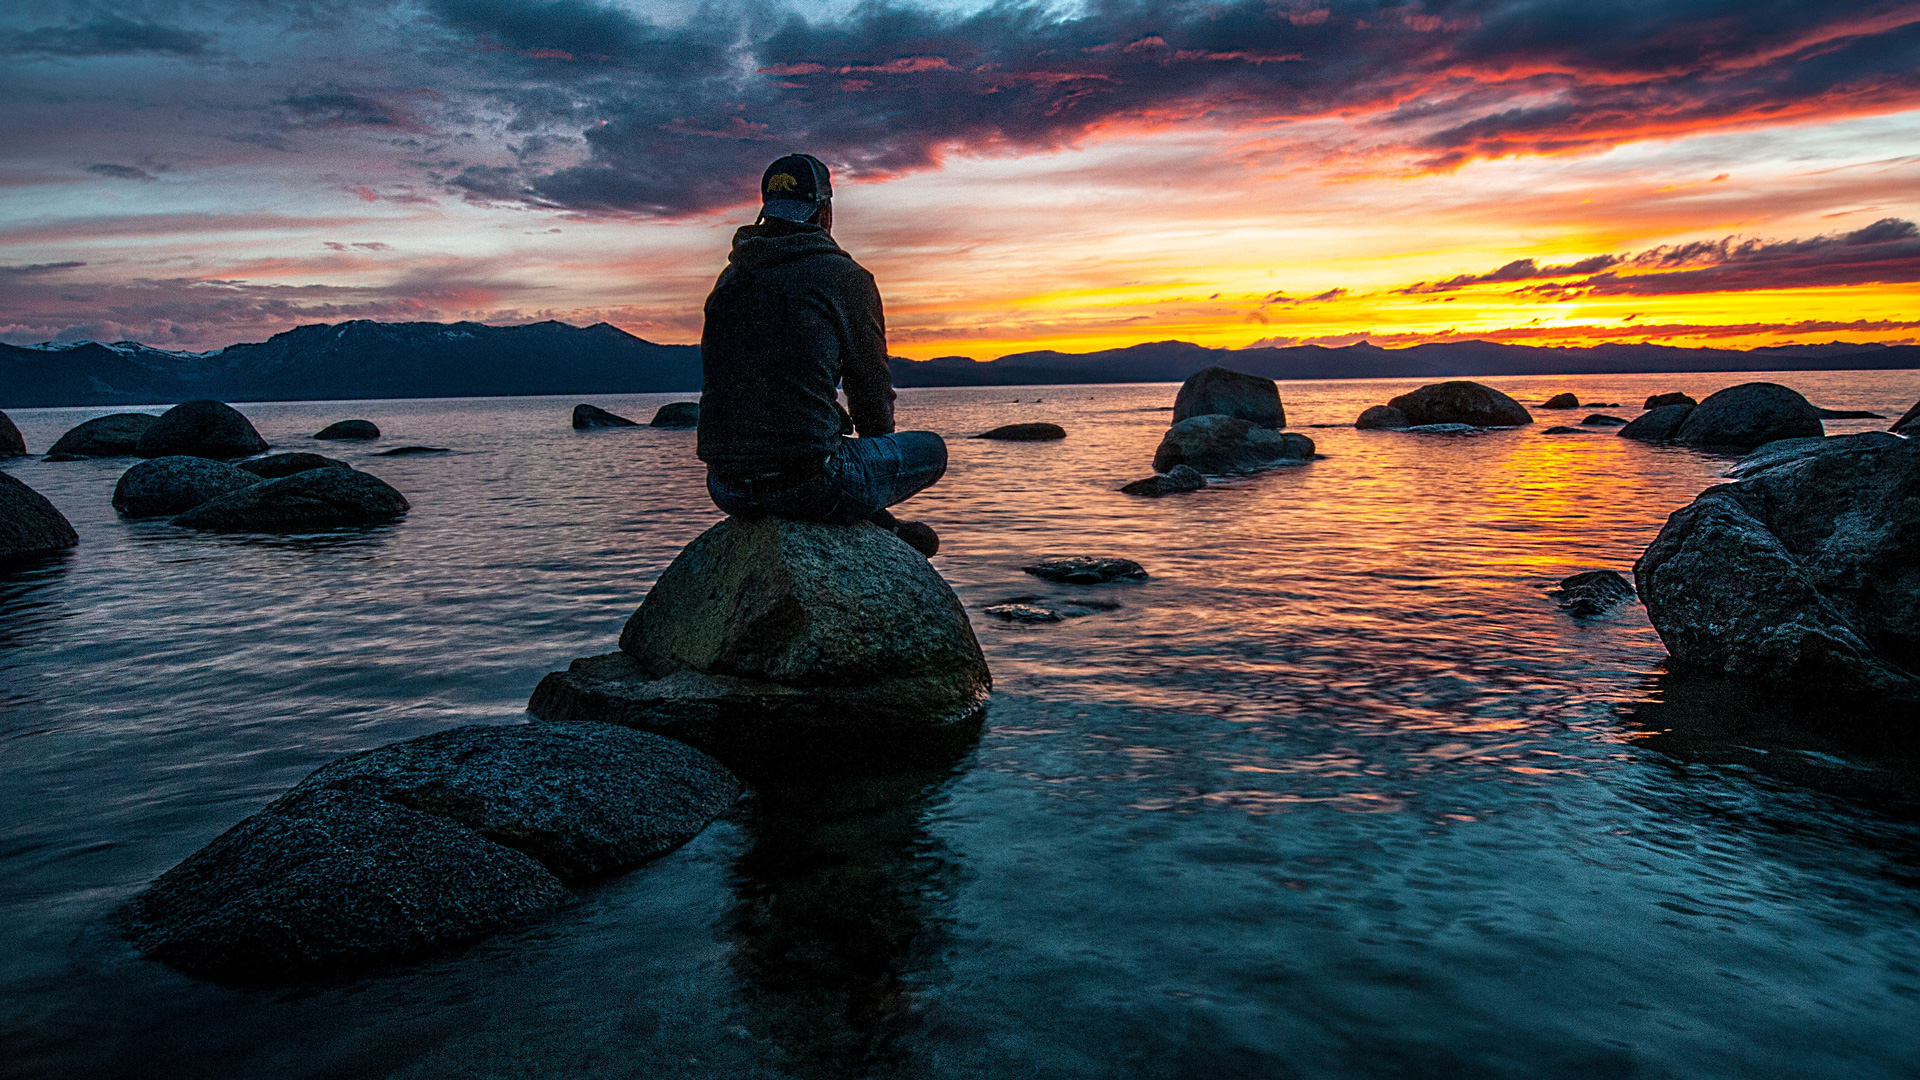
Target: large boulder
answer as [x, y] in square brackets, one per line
[1800, 577]
[1382, 418]
[174, 485]
[1745, 416]
[1909, 423]
[30, 526]
[304, 502]
[1215, 443]
[1025, 432]
[677, 414]
[1461, 402]
[586, 417]
[1561, 401]
[776, 645]
[1657, 425]
[103, 436]
[208, 429]
[349, 429]
[11, 443]
[275, 466]
[1218, 391]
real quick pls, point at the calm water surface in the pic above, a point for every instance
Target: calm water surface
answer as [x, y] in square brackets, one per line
[1337, 792]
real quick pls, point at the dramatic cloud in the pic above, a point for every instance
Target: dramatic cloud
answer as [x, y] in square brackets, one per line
[112, 36]
[1517, 270]
[1886, 252]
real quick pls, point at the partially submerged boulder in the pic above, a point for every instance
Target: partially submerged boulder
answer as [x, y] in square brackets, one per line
[209, 429]
[1561, 401]
[1603, 420]
[1657, 425]
[275, 466]
[349, 429]
[11, 443]
[593, 416]
[677, 414]
[1563, 429]
[777, 645]
[1216, 443]
[1086, 570]
[413, 451]
[103, 436]
[1217, 391]
[1025, 432]
[1382, 418]
[1657, 401]
[176, 484]
[1180, 478]
[1460, 402]
[304, 502]
[1594, 592]
[30, 526]
[1745, 416]
[1848, 414]
[1799, 577]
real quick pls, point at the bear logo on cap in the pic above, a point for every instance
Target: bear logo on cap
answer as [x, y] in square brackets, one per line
[781, 182]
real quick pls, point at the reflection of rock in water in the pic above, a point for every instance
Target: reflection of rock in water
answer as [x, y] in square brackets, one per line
[839, 919]
[1711, 721]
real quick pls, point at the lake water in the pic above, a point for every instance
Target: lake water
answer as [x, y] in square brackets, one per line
[1337, 792]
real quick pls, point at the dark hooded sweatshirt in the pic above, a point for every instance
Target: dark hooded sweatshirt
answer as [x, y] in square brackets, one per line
[791, 316]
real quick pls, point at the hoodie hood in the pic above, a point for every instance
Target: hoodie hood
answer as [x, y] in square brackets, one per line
[773, 242]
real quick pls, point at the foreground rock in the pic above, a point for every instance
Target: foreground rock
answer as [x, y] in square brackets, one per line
[275, 466]
[1460, 403]
[1025, 432]
[208, 429]
[1800, 576]
[103, 436]
[1745, 416]
[11, 443]
[174, 485]
[1087, 570]
[677, 414]
[784, 645]
[1658, 401]
[1561, 401]
[1657, 425]
[1909, 422]
[1217, 391]
[1382, 418]
[1592, 593]
[304, 502]
[1180, 478]
[30, 526]
[593, 416]
[1224, 444]
[425, 845]
[349, 429]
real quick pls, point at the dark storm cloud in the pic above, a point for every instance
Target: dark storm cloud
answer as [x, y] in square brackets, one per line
[110, 36]
[1517, 270]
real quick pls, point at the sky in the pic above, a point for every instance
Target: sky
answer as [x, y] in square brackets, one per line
[1735, 173]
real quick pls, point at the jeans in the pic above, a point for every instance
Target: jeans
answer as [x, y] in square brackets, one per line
[860, 478]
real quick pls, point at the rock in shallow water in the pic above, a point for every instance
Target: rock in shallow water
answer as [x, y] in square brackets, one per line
[1087, 570]
[1745, 416]
[1025, 432]
[1225, 444]
[1800, 576]
[103, 436]
[176, 484]
[1603, 420]
[304, 502]
[1593, 593]
[593, 416]
[1561, 401]
[275, 466]
[413, 451]
[1218, 391]
[1179, 479]
[30, 526]
[1657, 425]
[677, 414]
[11, 443]
[209, 429]
[1660, 400]
[1460, 402]
[349, 429]
[1382, 418]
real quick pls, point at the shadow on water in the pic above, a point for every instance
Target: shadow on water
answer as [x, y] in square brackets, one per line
[839, 917]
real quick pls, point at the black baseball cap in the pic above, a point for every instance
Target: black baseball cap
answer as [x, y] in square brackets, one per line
[794, 188]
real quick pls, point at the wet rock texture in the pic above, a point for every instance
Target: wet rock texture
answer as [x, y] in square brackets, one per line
[1087, 570]
[1800, 576]
[1460, 403]
[769, 643]
[423, 846]
[1025, 432]
[1224, 444]
[275, 466]
[1217, 391]
[349, 429]
[593, 416]
[303, 502]
[1594, 592]
[103, 436]
[1175, 481]
[677, 414]
[1749, 415]
[208, 429]
[30, 526]
[176, 484]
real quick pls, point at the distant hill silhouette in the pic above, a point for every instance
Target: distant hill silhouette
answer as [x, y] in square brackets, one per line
[364, 359]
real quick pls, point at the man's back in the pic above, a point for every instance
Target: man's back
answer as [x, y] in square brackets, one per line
[791, 316]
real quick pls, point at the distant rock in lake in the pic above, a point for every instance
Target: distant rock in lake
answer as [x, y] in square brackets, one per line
[1658, 424]
[303, 502]
[11, 443]
[176, 484]
[1799, 576]
[677, 414]
[1023, 613]
[1745, 416]
[1025, 432]
[1561, 401]
[413, 451]
[1594, 592]
[103, 436]
[275, 466]
[1218, 391]
[1603, 420]
[586, 417]
[1460, 402]
[349, 429]
[1177, 480]
[1224, 444]
[1662, 400]
[1382, 418]
[1847, 414]
[1563, 429]
[208, 429]
[30, 526]
[785, 647]
[1087, 570]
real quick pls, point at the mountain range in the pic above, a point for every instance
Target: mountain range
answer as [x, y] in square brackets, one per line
[365, 359]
